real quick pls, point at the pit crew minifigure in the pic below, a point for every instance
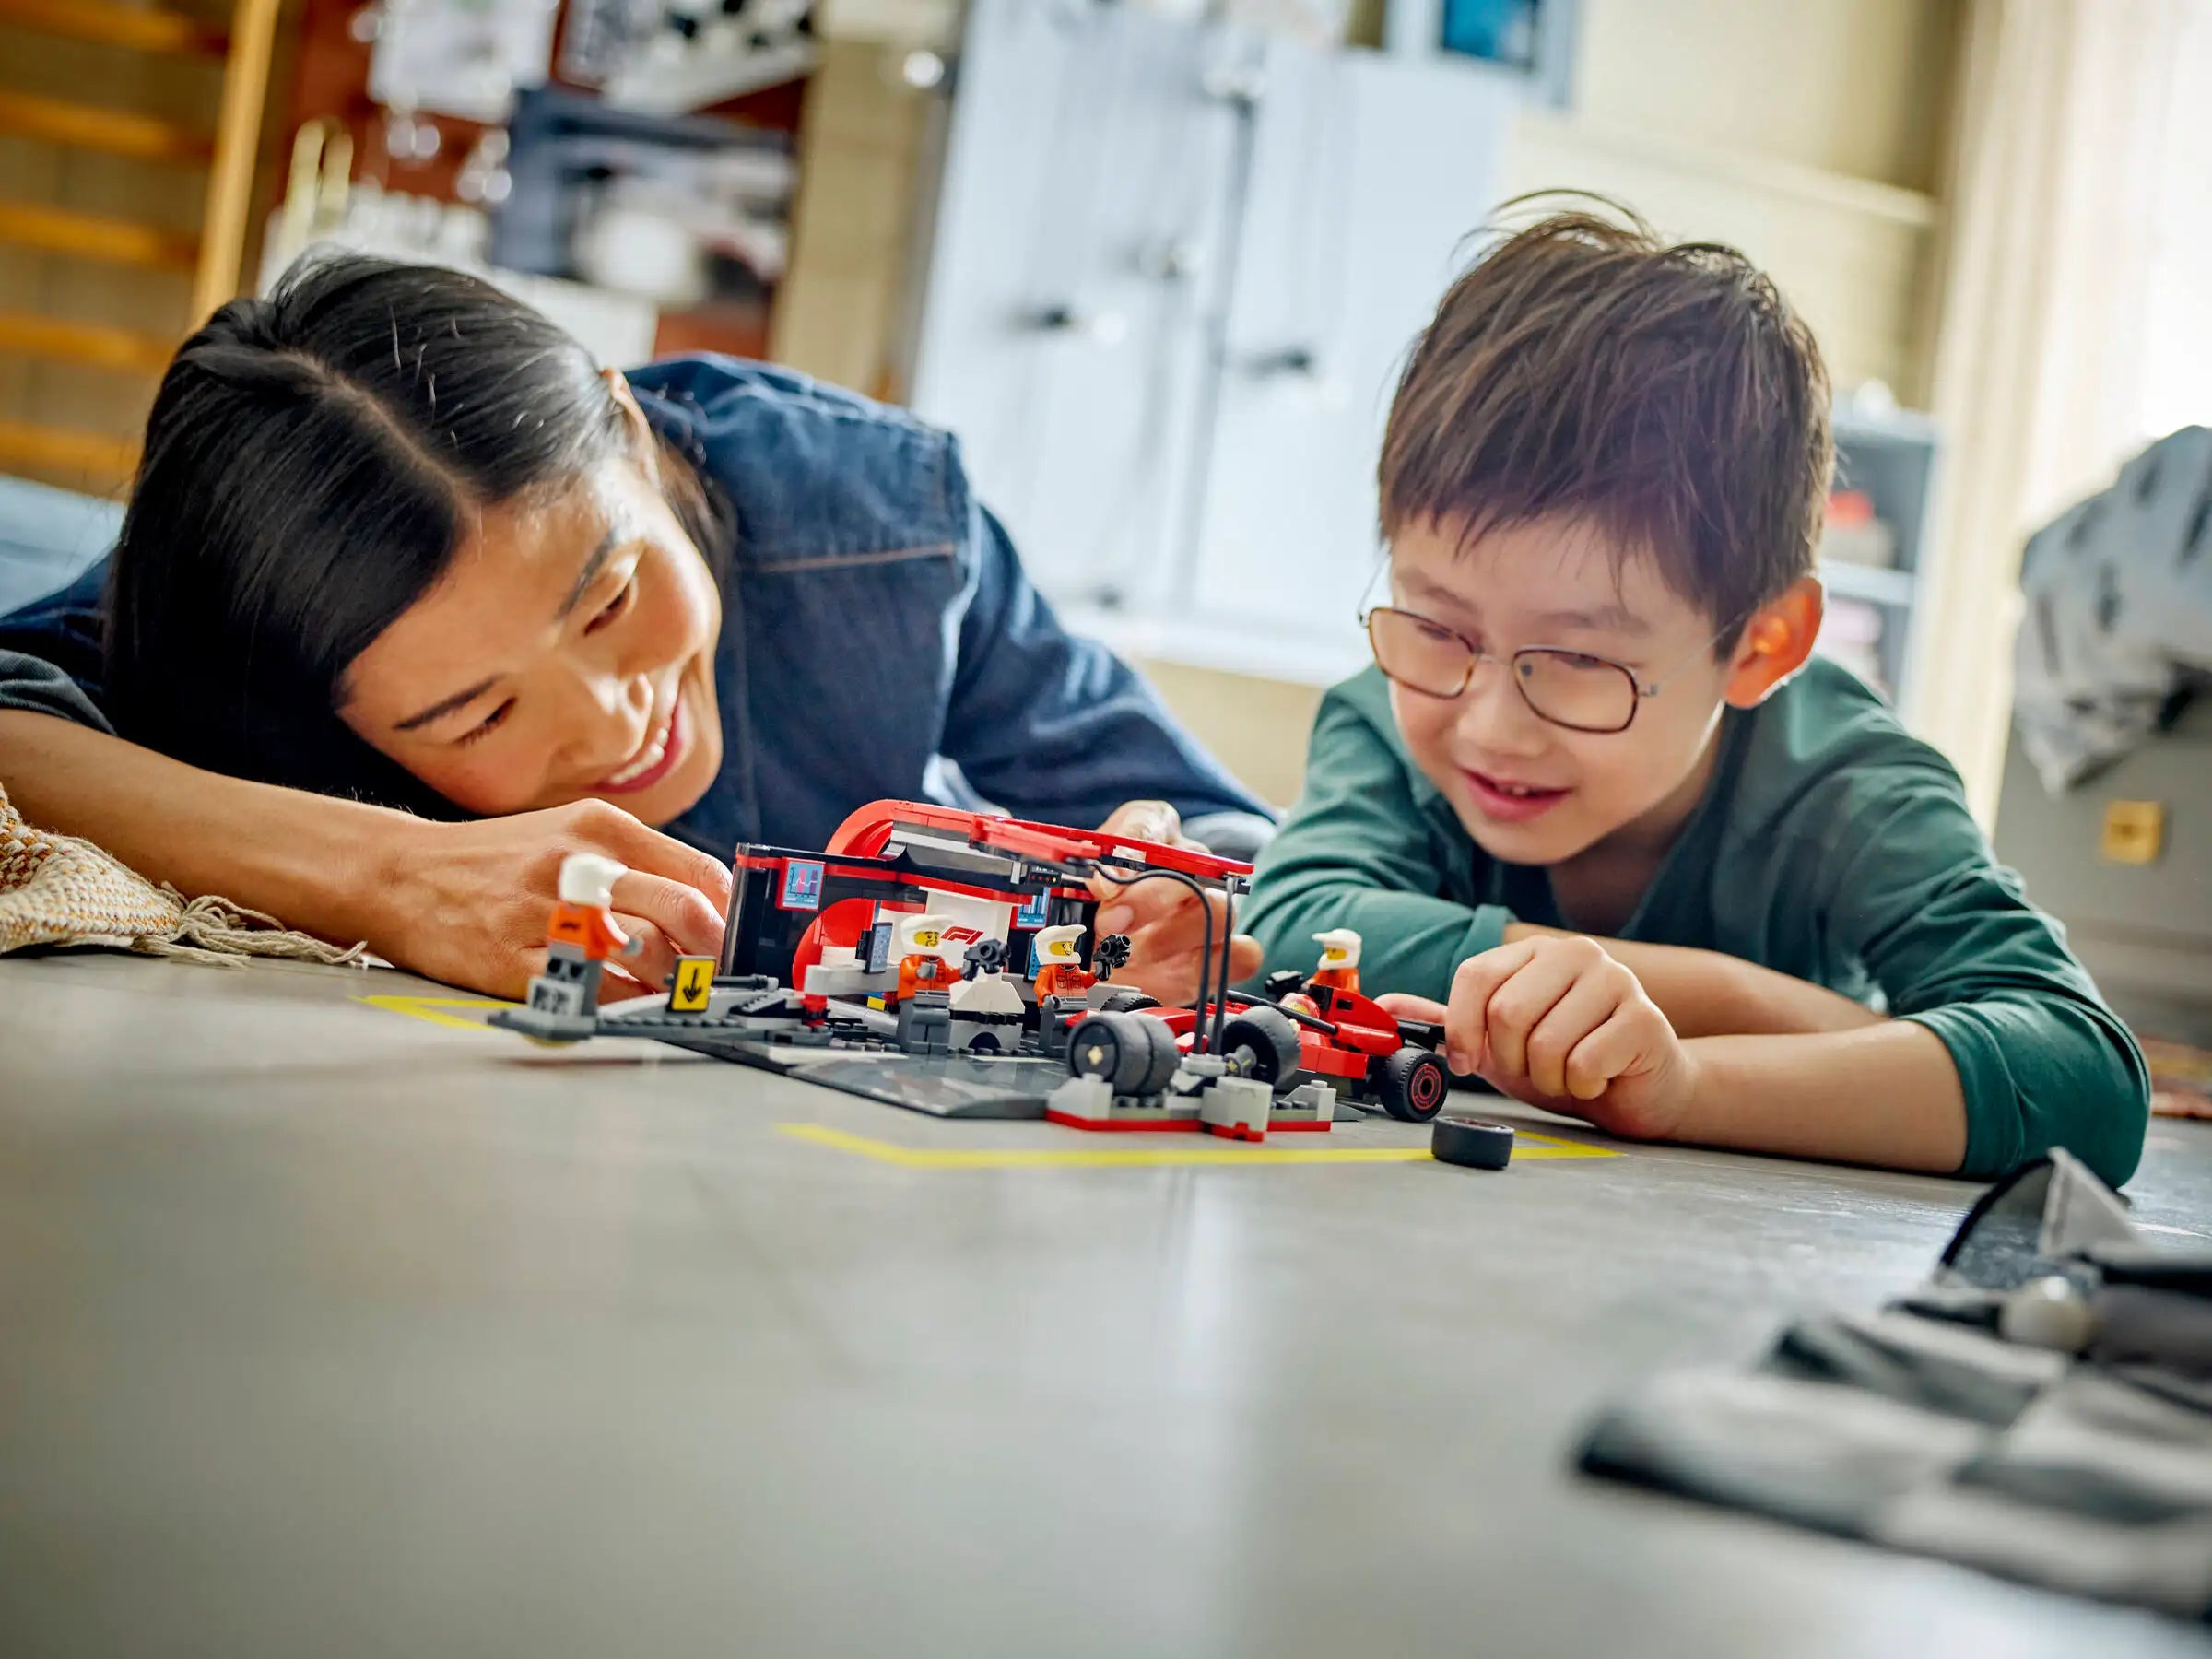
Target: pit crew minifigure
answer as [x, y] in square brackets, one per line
[920, 944]
[1340, 969]
[1060, 971]
[584, 919]
[582, 936]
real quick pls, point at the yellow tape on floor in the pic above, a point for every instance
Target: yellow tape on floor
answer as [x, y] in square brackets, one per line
[1185, 1150]
[432, 1009]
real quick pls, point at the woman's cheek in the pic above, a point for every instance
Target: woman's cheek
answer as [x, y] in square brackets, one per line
[508, 778]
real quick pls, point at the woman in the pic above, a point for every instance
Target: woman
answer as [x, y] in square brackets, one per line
[411, 600]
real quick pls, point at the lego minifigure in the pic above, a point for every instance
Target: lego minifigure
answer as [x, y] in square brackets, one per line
[1060, 971]
[923, 999]
[564, 1000]
[1340, 969]
[919, 943]
[584, 917]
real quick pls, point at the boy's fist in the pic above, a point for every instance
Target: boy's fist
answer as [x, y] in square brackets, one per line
[1558, 1023]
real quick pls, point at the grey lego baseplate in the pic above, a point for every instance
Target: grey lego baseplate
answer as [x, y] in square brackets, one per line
[954, 1086]
[947, 1086]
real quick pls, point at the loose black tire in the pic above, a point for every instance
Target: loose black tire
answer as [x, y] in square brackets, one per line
[1270, 1037]
[1411, 1084]
[1126, 1002]
[1124, 1050]
[1472, 1143]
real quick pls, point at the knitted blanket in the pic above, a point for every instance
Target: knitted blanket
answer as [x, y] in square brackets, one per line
[56, 890]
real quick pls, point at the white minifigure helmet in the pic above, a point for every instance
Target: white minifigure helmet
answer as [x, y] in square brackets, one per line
[920, 936]
[1057, 946]
[1339, 947]
[587, 878]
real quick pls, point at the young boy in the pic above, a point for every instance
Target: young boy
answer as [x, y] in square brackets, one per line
[1596, 793]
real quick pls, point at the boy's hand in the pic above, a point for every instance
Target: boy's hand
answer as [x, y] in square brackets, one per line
[1165, 926]
[1558, 1023]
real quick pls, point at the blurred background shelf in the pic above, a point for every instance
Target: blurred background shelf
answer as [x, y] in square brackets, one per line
[108, 23]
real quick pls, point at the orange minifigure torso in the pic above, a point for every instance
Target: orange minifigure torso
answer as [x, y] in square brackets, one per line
[1334, 979]
[1059, 970]
[590, 927]
[1060, 980]
[923, 972]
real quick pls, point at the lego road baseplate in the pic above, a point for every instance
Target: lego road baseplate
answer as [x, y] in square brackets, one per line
[1008, 1085]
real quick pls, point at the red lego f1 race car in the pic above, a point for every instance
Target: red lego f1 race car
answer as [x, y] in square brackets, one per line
[1322, 1034]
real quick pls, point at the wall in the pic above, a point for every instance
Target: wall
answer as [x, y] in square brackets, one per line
[1811, 133]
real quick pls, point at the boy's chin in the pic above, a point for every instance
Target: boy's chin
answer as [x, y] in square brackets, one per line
[1538, 842]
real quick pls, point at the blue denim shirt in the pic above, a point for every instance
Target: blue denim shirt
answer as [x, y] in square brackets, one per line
[879, 638]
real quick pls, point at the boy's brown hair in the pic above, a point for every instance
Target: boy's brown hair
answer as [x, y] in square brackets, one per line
[1666, 394]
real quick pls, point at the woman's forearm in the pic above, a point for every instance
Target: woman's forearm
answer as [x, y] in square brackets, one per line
[1705, 993]
[307, 859]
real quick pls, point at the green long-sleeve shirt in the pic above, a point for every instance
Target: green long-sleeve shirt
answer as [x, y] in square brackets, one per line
[1831, 847]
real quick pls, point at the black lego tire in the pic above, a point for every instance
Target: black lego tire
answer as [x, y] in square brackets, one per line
[1411, 1084]
[1126, 1001]
[1272, 1036]
[1113, 1048]
[1165, 1056]
[1471, 1143]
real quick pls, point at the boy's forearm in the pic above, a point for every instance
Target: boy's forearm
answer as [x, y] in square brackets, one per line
[1706, 993]
[304, 858]
[1888, 1094]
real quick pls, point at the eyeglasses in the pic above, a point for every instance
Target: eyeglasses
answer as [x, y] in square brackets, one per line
[1570, 689]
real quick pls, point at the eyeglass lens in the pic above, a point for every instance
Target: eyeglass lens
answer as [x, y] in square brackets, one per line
[1566, 687]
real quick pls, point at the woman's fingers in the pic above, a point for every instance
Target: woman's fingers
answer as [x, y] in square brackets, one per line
[645, 967]
[679, 912]
[1145, 820]
[647, 849]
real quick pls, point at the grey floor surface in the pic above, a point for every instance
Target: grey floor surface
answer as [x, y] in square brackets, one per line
[326, 1329]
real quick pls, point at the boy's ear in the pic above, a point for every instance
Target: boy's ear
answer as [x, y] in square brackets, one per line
[640, 430]
[1776, 643]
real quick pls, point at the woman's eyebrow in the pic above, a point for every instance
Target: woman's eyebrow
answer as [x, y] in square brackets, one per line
[592, 566]
[446, 706]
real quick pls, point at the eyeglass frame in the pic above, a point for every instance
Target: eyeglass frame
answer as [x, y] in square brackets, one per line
[1477, 656]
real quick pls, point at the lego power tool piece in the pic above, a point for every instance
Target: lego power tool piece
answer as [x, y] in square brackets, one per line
[1471, 1142]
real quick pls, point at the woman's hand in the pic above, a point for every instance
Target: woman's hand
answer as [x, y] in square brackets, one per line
[1557, 1022]
[467, 903]
[1166, 928]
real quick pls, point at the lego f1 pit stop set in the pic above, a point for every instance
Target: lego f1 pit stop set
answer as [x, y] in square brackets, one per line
[933, 958]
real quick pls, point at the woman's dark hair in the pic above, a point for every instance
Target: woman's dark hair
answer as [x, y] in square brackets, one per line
[310, 462]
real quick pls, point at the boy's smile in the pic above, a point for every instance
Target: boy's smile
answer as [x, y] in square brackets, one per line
[1530, 790]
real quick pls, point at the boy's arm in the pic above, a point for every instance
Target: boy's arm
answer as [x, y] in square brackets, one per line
[1356, 852]
[1559, 1021]
[1911, 888]
[2001, 1049]
[1708, 993]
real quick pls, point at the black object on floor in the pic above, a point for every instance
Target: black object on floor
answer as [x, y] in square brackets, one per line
[2041, 1410]
[1472, 1142]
